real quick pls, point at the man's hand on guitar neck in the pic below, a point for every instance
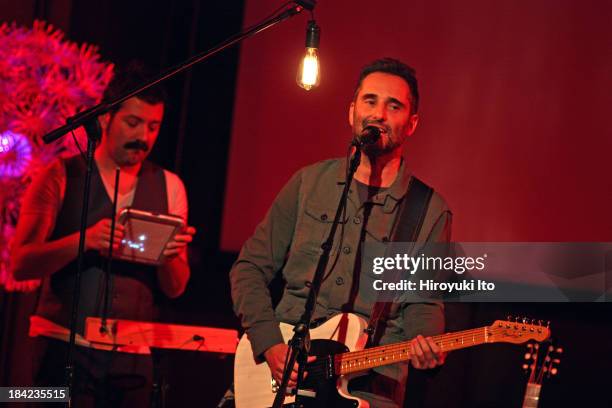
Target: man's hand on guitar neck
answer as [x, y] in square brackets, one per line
[426, 353]
[275, 357]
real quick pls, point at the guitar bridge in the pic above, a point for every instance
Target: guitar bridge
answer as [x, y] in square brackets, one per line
[291, 391]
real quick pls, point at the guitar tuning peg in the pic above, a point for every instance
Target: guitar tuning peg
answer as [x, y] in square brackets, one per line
[524, 320]
[537, 346]
[509, 318]
[554, 371]
[556, 361]
[530, 346]
[551, 348]
[527, 356]
[539, 322]
[532, 322]
[548, 324]
[559, 350]
[525, 366]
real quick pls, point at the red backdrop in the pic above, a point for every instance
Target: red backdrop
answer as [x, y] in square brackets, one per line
[515, 108]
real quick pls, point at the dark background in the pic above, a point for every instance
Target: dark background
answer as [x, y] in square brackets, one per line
[201, 122]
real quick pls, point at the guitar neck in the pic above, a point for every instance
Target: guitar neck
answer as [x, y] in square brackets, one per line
[356, 361]
[532, 395]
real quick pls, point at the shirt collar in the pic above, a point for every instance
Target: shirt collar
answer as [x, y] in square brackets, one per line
[394, 193]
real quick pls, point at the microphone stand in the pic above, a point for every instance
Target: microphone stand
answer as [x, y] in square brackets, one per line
[88, 119]
[108, 278]
[94, 134]
[299, 344]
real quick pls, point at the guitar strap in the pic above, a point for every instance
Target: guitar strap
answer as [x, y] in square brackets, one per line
[407, 227]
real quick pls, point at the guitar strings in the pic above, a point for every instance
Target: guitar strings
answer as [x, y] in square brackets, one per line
[400, 349]
[404, 344]
[450, 341]
[444, 338]
[476, 336]
[316, 368]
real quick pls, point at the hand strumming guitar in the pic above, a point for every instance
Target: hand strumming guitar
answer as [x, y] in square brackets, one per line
[275, 357]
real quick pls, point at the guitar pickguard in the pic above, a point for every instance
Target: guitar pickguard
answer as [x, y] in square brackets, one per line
[318, 380]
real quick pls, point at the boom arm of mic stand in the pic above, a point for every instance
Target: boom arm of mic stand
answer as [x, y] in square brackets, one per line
[79, 119]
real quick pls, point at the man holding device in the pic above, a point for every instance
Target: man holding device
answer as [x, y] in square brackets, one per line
[46, 243]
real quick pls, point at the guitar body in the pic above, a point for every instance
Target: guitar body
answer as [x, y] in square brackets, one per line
[253, 385]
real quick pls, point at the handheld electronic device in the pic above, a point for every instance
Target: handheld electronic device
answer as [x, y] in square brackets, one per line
[146, 235]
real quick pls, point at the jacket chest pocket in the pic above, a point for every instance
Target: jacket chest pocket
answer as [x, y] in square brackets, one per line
[313, 227]
[381, 221]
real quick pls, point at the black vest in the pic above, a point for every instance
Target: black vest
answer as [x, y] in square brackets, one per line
[134, 286]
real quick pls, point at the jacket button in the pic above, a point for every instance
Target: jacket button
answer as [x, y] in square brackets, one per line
[339, 281]
[346, 250]
[323, 217]
[357, 220]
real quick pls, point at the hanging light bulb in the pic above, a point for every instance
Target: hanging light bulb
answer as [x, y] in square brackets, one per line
[309, 76]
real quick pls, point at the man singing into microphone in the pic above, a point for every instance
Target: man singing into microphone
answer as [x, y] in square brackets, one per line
[46, 243]
[382, 115]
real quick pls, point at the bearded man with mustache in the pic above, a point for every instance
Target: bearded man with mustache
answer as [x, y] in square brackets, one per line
[46, 243]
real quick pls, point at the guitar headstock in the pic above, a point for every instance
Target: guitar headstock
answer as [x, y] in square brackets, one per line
[542, 361]
[518, 331]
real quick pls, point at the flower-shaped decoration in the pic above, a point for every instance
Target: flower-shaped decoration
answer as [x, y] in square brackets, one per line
[44, 79]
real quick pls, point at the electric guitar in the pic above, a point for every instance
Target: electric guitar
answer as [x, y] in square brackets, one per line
[538, 369]
[339, 346]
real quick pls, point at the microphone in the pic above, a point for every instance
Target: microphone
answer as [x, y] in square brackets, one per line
[369, 136]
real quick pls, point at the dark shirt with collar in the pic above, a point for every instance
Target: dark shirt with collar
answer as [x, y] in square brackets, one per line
[289, 240]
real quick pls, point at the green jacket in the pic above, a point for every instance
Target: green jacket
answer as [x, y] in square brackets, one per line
[289, 240]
